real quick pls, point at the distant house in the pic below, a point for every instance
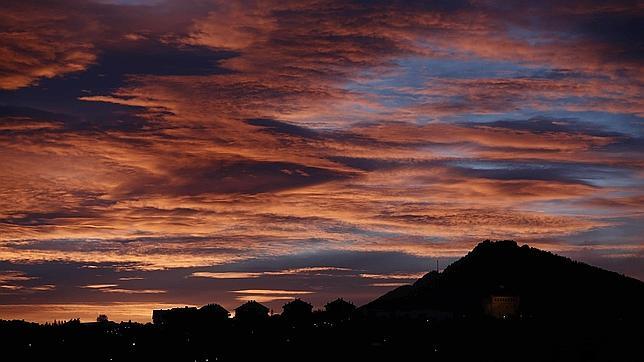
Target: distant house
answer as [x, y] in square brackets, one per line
[297, 310]
[213, 312]
[174, 316]
[190, 316]
[502, 306]
[339, 309]
[251, 311]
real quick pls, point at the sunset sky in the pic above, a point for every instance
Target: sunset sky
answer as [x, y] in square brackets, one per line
[158, 153]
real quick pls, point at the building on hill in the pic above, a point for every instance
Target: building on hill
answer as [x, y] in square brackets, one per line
[297, 310]
[339, 309]
[502, 306]
[251, 311]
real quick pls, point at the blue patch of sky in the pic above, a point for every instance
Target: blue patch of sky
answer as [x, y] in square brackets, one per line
[415, 72]
[624, 228]
[397, 90]
[412, 73]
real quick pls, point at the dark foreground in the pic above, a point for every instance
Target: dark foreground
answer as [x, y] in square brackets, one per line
[500, 302]
[275, 339]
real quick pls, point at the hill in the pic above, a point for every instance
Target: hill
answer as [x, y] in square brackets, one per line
[544, 285]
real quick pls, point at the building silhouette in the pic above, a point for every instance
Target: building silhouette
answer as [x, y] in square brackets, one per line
[297, 310]
[213, 312]
[502, 306]
[339, 309]
[251, 311]
[174, 316]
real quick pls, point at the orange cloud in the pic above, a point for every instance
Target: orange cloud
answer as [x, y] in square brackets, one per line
[37, 44]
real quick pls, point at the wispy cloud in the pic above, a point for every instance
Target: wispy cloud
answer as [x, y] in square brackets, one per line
[268, 295]
[317, 270]
[114, 288]
[393, 276]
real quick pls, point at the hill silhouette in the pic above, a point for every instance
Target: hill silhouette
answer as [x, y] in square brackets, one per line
[547, 285]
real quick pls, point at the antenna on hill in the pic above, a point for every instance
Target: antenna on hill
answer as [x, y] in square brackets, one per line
[437, 265]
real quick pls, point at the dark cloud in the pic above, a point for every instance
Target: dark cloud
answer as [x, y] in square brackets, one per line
[285, 128]
[545, 125]
[233, 177]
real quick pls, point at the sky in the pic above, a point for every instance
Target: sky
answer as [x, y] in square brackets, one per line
[158, 153]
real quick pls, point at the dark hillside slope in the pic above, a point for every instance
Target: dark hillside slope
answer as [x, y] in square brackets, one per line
[547, 285]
